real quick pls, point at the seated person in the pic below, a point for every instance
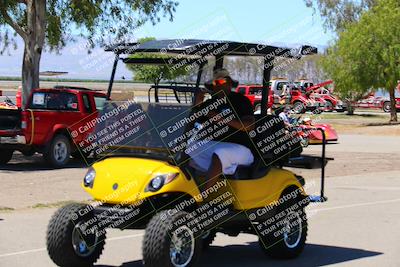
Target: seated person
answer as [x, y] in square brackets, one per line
[223, 154]
[283, 113]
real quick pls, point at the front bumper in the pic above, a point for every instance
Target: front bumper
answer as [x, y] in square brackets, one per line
[18, 139]
[124, 216]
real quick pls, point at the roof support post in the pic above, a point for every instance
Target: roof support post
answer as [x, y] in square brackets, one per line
[198, 79]
[267, 68]
[219, 62]
[110, 84]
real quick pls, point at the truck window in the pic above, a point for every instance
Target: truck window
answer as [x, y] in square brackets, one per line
[255, 91]
[279, 86]
[54, 101]
[242, 90]
[86, 103]
[306, 85]
[99, 101]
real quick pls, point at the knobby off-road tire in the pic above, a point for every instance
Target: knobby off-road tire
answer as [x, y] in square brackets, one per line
[5, 156]
[287, 245]
[63, 236]
[164, 236]
[59, 151]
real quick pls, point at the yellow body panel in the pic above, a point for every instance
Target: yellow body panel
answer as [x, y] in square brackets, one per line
[261, 192]
[132, 175]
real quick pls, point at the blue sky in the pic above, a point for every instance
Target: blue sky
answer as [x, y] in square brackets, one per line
[252, 20]
[283, 22]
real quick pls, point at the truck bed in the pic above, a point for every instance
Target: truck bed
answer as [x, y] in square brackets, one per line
[10, 119]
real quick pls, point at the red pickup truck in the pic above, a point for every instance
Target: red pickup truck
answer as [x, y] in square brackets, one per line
[43, 125]
[253, 93]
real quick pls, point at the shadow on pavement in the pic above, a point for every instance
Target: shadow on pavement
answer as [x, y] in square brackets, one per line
[20, 162]
[251, 255]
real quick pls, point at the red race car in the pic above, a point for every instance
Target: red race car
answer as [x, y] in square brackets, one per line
[374, 101]
[310, 133]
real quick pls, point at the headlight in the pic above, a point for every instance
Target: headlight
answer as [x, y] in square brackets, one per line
[160, 180]
[89, 178]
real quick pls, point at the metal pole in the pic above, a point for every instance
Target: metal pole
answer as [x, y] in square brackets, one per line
[267, 68]
[323, 164]
[110, 84]
[219, 62]
[198, 80]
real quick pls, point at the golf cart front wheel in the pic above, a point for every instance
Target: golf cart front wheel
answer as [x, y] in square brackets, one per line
[289, 234]
[73, 238]
[170, 241]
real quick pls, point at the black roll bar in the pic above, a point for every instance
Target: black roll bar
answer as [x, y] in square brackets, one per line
[110, 84]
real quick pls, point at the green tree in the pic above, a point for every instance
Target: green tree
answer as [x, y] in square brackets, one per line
[51, 23]
[366, 54]
[337, 14]
[155, 73]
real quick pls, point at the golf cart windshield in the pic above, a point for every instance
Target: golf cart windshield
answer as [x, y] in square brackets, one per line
[141, 127]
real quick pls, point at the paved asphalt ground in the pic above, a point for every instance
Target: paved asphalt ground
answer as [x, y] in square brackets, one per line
[358, 226]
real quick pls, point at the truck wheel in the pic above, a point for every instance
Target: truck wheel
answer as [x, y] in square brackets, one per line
[208, 237]
[329, 106]
[5, 156]
[169, 243]
[288, 238]
[386, 106]
[72, 240]
[299, 107]
[59, 151]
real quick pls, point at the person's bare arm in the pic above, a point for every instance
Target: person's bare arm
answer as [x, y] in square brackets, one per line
[199, 98]
[245, 123]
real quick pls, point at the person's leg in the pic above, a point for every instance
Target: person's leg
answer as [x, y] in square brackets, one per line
[214, 172]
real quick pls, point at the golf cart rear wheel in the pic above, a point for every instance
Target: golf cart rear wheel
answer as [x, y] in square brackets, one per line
[169, 241]
[5, 156]
[73, 239]
[289, 236]
[208, 237]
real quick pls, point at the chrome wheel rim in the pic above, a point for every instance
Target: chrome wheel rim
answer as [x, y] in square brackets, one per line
[60, 151]
[386, 107]
[83, 242]
[293, 228]
[182, 246]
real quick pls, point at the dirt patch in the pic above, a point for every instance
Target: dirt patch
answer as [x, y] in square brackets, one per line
[354, 163]
[362, 124]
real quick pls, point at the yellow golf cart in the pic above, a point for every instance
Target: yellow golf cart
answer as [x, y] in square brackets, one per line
[144, 178]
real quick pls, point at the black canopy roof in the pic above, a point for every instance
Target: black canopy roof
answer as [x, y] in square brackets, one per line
[201, 48]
